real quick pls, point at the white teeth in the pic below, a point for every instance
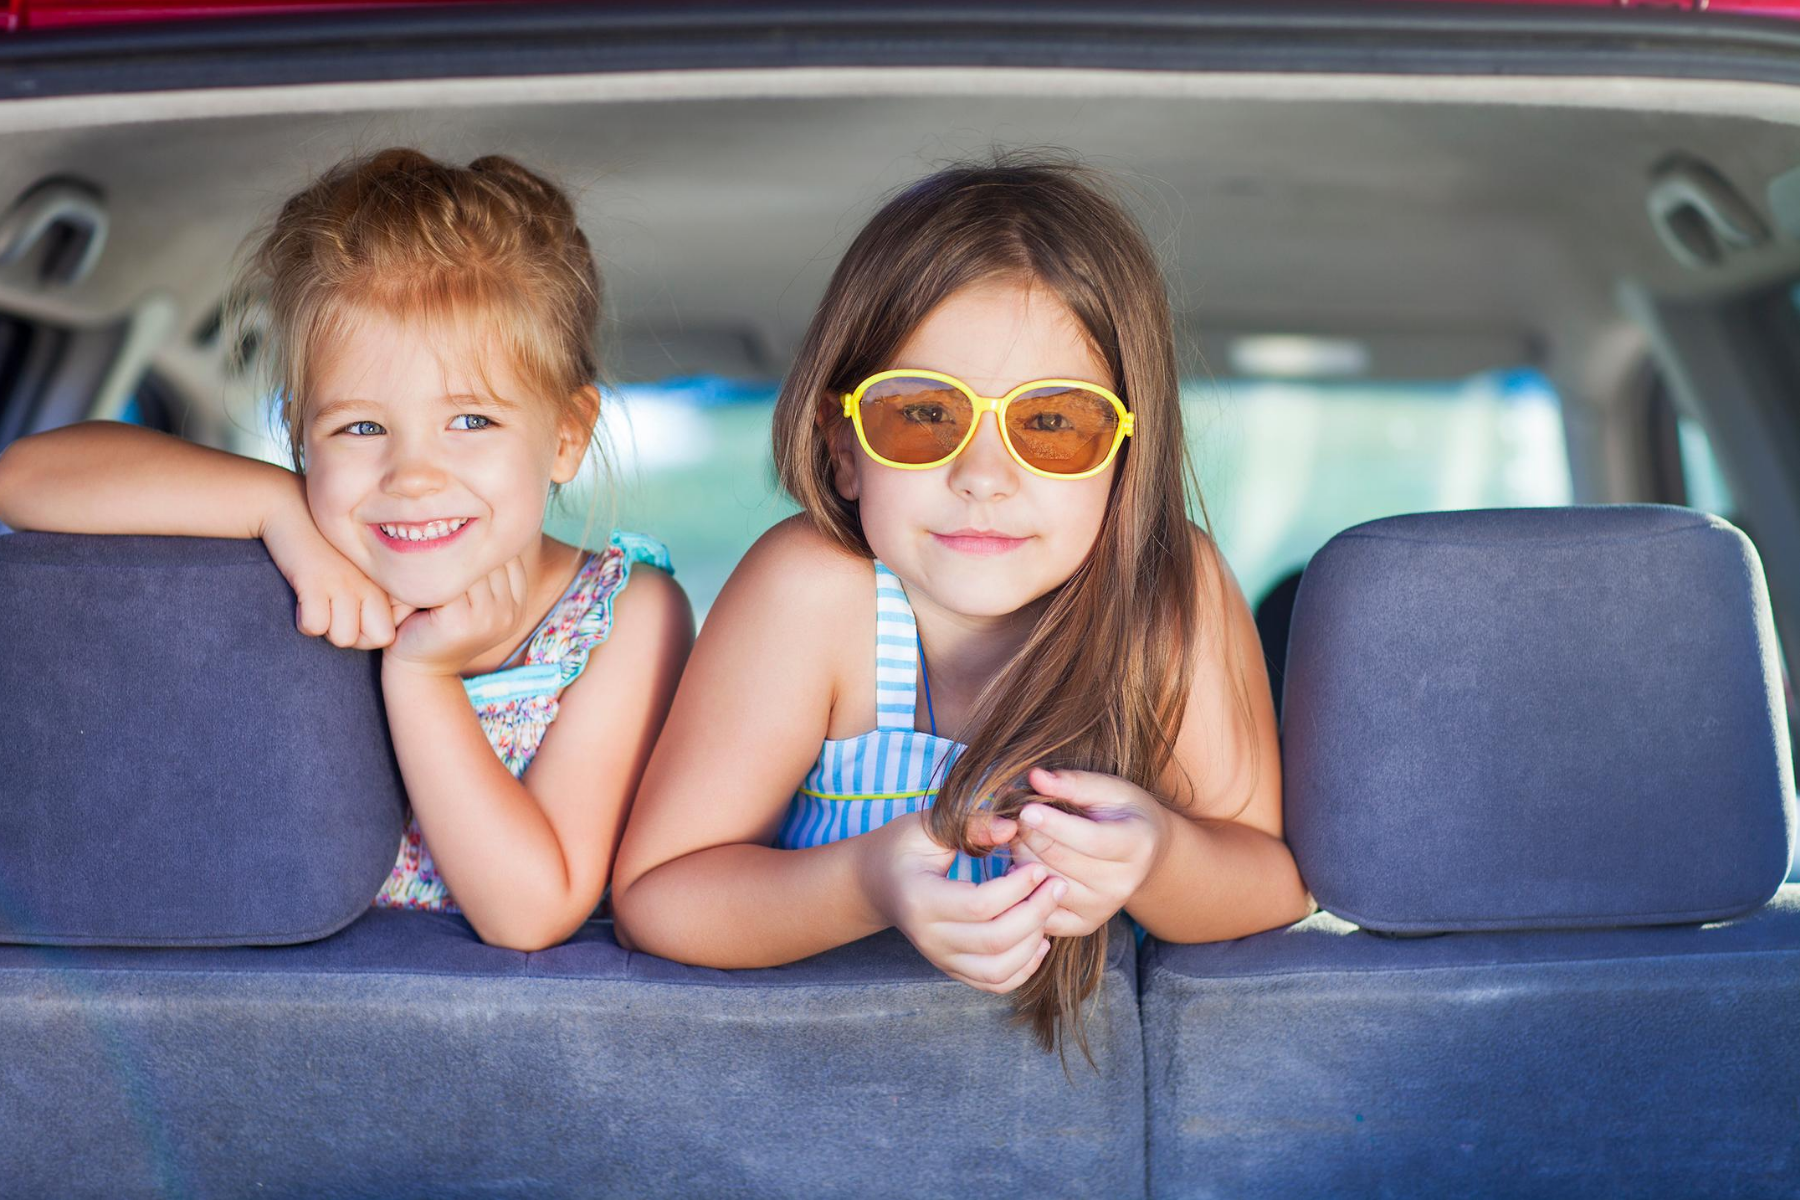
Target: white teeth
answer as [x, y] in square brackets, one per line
[428, 532]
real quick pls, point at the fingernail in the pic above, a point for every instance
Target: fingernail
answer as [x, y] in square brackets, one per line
[1060, 890]
[1032, 816]
[1037, 874]
[1044, 946]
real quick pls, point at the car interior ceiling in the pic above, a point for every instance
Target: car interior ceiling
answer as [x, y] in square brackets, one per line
[1457, 224]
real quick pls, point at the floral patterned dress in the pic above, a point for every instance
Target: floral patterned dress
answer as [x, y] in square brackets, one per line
[517, 703]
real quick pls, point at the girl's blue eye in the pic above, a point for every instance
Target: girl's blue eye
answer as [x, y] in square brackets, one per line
[363, 428]
[475, 421]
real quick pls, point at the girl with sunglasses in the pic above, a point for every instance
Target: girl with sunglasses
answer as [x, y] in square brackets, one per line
[992, 685]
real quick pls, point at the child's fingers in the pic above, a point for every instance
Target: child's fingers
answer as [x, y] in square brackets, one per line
[1084, 788]
[346, 620]
[1064, 860]
[1021, 920]
[1025, 972]
[1063, 923]
[1110, 840]
[377, 622]
[1001, 973]
[990, 830]
[313, 616]
[990, 972]
[988, 900]
[515, 579]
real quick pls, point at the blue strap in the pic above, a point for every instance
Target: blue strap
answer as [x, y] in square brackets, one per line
[896, 653]
[925, 674]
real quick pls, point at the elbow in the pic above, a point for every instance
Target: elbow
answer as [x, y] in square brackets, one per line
[535, 928]
[13, 484]
[626, 918]
[1306, 908]
[520, 933]
[527, 941]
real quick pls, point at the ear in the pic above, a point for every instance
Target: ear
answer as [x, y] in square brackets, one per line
[575, 433]
[840, 442]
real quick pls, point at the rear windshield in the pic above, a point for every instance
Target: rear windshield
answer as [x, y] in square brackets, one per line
[1282, 465]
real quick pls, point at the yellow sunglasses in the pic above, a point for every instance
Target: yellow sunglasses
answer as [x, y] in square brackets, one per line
[1057, 428]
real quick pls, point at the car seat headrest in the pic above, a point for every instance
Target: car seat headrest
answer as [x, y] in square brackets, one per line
[179, 765]
[1537, 718]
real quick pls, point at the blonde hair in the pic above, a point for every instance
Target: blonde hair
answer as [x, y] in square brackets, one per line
[1102, 682]
[399, 233]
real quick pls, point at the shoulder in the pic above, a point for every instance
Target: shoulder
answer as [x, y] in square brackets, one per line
[1224, 630]
[1214, 574]
[642, 629]
[1227, 744]
[798, 604]
[651, 597]
[1222, 617]
[801, 576]
[622, 594]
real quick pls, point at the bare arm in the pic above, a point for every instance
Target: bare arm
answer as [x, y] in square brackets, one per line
[527, 860]
[107, 477]
[1224, 870]
[697, 880]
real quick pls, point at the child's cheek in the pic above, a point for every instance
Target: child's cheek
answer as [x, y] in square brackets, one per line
[893, 512]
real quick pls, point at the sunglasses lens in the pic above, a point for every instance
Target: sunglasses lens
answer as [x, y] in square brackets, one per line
[1062, 430]
[913, 420]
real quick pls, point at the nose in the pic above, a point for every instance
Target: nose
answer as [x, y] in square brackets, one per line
[413, 470]
[984, 471]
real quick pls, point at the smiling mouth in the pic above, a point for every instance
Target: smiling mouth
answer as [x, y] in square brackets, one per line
[420, 535]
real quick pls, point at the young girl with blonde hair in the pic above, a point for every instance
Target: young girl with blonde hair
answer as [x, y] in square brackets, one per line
[430, 340]
[992, 686]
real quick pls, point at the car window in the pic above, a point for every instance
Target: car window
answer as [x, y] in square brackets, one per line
[1285, 465]
[1282, 466]
[690, 464]
[1705, 486]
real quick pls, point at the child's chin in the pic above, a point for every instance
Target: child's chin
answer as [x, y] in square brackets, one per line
[414, 594]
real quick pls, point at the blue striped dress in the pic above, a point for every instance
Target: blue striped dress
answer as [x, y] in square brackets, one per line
[863, 782]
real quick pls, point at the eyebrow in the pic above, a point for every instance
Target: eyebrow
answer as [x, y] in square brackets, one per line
[336, 407]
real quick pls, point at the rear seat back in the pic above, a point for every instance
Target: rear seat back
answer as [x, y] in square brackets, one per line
[402, 1057]
[1554, 723]
[184, 769]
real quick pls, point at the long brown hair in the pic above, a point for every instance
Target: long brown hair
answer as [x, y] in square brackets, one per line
[1102, 682]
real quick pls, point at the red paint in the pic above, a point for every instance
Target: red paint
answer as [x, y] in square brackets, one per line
[18, 15]
[1789, 9]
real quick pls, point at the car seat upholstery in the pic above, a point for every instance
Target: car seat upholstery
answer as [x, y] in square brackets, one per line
[155, 688]
[1560, 721]
[402, 1057]
[399, 1056]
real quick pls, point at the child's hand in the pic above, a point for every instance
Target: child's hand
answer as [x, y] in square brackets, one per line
[1104, 855]
[443, 640]
[990, 935]
[335, 600]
